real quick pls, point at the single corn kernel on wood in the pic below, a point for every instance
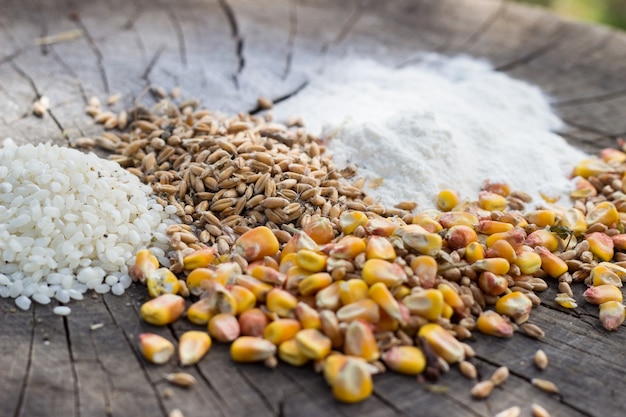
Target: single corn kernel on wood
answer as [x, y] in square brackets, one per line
[447, 199]
[379, 247]
[386, 301]
[353, 383]
[602, 294]
[359, 341]
[491, 323]
[442, 342]
[155, 348]
[251, 349]
[256, 244]
[311, 260]
[409, 360]
[516, 305]
[199, 259]
[281, 330]
[162, 281]
[224, 327]
[564, 300]
[379, 270]
[192, 346]
[289, 352]
[459, 236]
[427, 303]
[612, 315]
[601, 245]
[550, 263]
[366, 309]
[313, 344]
[253, 322]
[163, 310]
[426, 269]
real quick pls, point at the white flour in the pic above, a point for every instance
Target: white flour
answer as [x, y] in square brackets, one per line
[445, 123]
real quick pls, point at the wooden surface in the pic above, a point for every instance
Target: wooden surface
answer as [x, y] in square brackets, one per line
[228, 53]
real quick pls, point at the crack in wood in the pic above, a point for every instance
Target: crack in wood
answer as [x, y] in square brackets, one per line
[236, 35]
[590, 129]
[94, 49]
[254, 388]
[22, 395]
[344, 30]
[291, 37]
[81, 88]
[68, 340]
[180, 35]
[151, 64]
[614, 95]
[484, 27]
[282, 98]
[529, 57]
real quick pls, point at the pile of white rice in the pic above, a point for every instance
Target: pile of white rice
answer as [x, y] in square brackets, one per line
[71, 222]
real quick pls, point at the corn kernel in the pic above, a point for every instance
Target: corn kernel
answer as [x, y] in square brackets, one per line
[379, 247]
[313, 344]
[601, 274]
[489, 227]
[498, 266]
[459, 236]
[222, 301]
[192, 346]
[308, 316]
[289, 352]
[602, 294]
[253, 322]
[541, 218]
[251, 349]
[427, 222]
[197, 280]
[612, 314]
[286, 262]
[155, 348]
[350, 220]
[267, 274]
[491, 323]
[515, 305]
[492, 284]
[145, 264]
[295, 275]
[330, 327]
[353, 383]
[612, 155]
[353, 290]
[591, 167]
[359, 341]
[245, 299]
[550, 263]
[348, 247]
[564, 300]
[574, 220]
[258, 287]
[427, 303]
[163, 310]
[515, 237]
[385, 300]
[200, 312]
[201, 258]
[333, 363]
[452, 298]
[224, 327]
[500, 188]
[380, 227]
[281, 302]
[365, 309]
[409, 360]
[491, 201]
[542, 237]
[425, 268]
[329, 298]
[452, 218]
[314, 282]
[447, 311]
[447, 199]
[378, 270]
[604, 213]
[226, 273]
[601, 245]
[310, 260]
[162, 281]
[474, 251]
[528, 262]
[281, 330]
[299, 240]
[442, 342]
[420, 240]
[257, 243]
[502, 249]
[320, 230]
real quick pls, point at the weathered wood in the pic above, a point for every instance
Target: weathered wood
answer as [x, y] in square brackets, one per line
[227, 53]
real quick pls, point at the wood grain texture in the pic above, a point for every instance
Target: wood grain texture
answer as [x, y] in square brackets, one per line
[227, 53]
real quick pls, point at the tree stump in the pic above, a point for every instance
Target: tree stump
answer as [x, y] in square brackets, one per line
[227, 53]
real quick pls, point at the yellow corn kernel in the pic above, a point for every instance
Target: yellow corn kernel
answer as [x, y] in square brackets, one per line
[314, 282]
[409, 360]
[447, 311]
[612, 315]
[516, 305]
[612, 155]
[502, 249]
[386, 323]
[574, 220]
[381, 227]
[492, 284]
[313, 344]
[155, 348]
[427, 222]
[308, 316]
[222, 301]
[379, 247]
[162, 281]
[289, 352]
[386, 301]
[245, 299]
[442, 342]
[353, 290]
[426, 303]
[226, 273]
[591, 167]
[348, 247]
[163, 310]
[253, 322]
[328, 298]
[419, 239]
[602, 294]
[447, 199]
[498, 266]
[491, 323]
[491, 201]
[541, 218]
[258, 287]
[295, 275]
[310, 260]
[256, 243]
[542, 237]
[601, 245]
[320, 230]
[200, 312]
[475, 251]
[251, 349]
[198, 278]
[425, 268]
[330, 327]
[489, 227]
[201, 258]
[359, 341]
[281, 302]
[528, 262]
[378, 270]
[583, 189]
[267, 274]
[601, 275]
[564, 300]
[333, 363]
[460, 236]
[452, 218]
[192, 346]
[145, 264]
[286, 262]
[604, 213]
[452, 297]
[353, 383]
[400, 292]
[350, 220]
[281, 330]
[365, 309]
[550, 263]
[515, 237]
[500, 188]
[299, 240]
[224, 327]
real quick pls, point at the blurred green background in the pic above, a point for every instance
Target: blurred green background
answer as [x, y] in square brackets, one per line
[606, 12]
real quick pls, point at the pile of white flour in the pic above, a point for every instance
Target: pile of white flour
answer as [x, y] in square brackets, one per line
[444, 123]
